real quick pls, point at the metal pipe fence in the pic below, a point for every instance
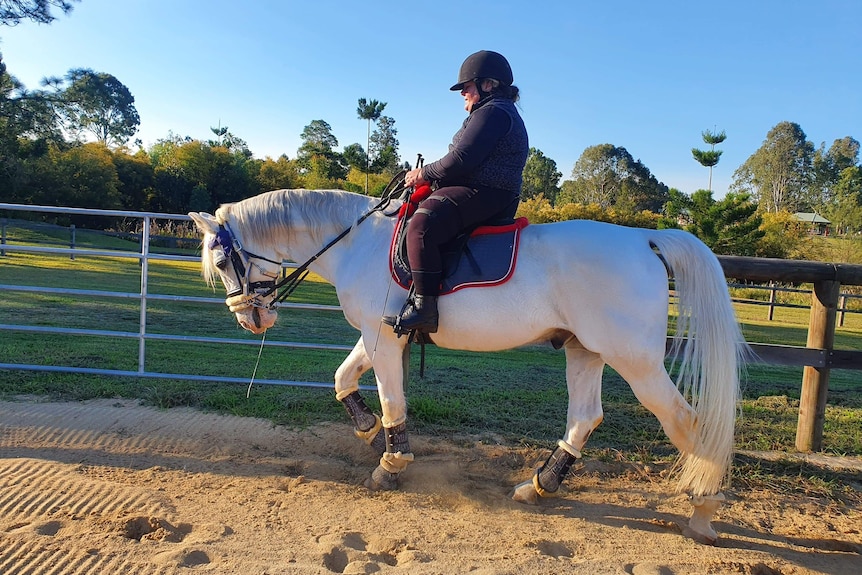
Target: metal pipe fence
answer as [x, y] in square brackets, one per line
[144, 255]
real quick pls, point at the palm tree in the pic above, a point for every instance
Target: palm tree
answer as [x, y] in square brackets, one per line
[709, 158]
[369, 110]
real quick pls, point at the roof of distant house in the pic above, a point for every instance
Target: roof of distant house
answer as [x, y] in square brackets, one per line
[811, 217]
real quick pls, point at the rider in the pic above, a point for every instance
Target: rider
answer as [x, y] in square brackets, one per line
[478, 180]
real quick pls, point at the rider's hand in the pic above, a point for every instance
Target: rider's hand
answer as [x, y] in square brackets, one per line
[414, 177]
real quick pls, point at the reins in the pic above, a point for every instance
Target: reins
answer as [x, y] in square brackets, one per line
[288, 284]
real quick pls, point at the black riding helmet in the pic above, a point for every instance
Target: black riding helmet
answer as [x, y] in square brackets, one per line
[484, 64]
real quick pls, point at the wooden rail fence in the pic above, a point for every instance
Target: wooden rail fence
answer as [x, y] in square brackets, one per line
[819, 355]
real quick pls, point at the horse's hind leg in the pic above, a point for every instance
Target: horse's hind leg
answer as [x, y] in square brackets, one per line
[584, 381]
[657, 392]
[367, 425]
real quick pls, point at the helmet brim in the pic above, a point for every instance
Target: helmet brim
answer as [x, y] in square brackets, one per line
[458, 87]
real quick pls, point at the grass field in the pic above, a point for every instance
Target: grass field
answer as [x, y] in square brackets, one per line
[514, 396]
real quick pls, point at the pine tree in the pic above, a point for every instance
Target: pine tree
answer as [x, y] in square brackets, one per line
[369, 110]
[709, 158]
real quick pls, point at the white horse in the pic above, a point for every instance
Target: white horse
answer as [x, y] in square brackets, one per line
[598, 290]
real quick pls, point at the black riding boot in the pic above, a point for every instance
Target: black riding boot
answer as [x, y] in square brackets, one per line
[420, 315]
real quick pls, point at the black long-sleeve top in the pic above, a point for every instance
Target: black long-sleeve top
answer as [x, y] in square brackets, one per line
[489, 151]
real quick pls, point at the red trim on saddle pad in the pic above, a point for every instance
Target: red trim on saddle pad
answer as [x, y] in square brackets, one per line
[481, 235]
[518, 224]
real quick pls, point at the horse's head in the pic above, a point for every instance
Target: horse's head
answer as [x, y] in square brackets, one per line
[248, 278]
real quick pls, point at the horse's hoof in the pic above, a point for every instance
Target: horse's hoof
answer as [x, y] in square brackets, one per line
[382, 480]
[525, 493]
[700, 525]
[705, 535]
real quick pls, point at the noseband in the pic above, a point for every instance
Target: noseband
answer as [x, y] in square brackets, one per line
[250, 294]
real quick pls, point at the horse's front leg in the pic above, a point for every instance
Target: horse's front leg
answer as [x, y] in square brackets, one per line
[367, 425]
[390, 369]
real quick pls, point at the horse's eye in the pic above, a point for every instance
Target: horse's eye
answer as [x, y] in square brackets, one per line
[219, 260]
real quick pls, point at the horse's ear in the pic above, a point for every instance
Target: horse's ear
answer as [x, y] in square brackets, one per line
[206, 223]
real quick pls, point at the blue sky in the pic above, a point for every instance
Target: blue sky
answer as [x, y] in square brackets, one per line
[648, 76]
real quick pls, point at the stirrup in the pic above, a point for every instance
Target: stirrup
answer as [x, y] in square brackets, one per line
[423, 320]
[395, 322]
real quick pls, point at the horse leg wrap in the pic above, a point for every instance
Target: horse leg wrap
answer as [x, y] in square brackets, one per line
[363, 418]
[397, 455]
[549, 477]
[396, 439]
[367, 424]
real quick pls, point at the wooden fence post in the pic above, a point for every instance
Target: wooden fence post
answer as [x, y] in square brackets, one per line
[815, 380]
[771, 301]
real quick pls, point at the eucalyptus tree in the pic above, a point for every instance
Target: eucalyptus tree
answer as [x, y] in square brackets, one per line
[24, 113]
[845, 210]
[98, 103]
[709, 158]
[354, 155]
[317, 138]
[779, 174]
[828, 167]
[186, 170]
[541, 177]
[28, 125]
[383, 147]
[282, 173]
[370, 111]
[317, 155]
[136, 179]
[81, 176]
[597, 175]
[609, 176]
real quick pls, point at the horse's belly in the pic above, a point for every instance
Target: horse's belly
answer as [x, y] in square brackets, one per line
[493, 332]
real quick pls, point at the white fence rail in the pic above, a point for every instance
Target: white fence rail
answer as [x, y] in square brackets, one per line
[144, 255]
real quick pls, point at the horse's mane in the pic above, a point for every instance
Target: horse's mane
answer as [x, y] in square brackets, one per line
[273, 217]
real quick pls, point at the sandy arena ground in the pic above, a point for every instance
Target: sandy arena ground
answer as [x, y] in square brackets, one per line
[108, 487]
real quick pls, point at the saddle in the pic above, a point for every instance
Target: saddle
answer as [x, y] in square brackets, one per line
[481, 256]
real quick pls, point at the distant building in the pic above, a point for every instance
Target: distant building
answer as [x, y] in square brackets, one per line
[817, 224]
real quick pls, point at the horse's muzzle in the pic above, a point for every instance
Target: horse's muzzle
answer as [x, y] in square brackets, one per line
[256, 319]
[250, 314]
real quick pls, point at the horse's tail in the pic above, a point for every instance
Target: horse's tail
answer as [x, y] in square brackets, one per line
[709, 351]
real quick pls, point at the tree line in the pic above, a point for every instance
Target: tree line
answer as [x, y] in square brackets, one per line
[67, 143]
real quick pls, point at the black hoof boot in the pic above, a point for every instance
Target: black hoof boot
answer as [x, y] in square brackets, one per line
[420, 315]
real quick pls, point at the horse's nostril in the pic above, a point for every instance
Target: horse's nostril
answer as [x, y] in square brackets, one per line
[255, 315]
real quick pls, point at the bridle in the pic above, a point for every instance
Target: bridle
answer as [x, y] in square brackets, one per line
[254, 294]
[249, 293]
